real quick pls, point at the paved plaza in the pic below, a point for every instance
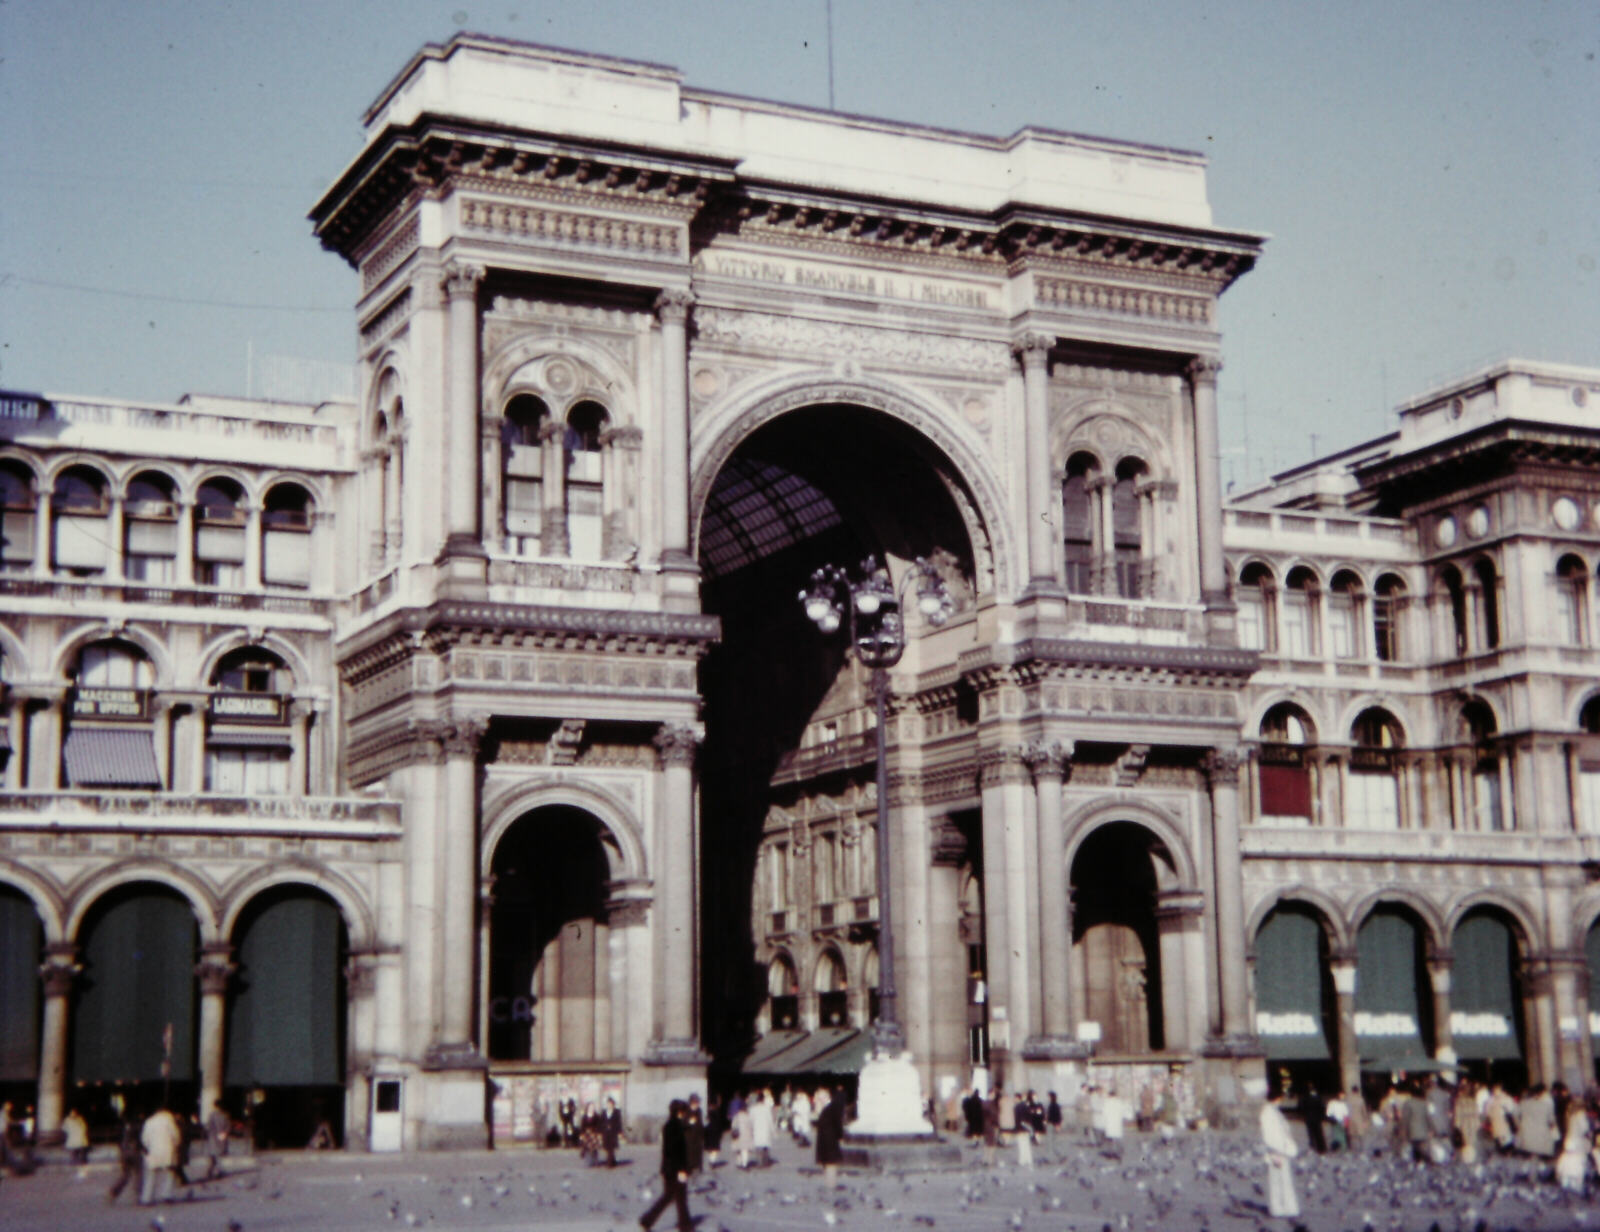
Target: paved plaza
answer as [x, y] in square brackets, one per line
[1193, 1182]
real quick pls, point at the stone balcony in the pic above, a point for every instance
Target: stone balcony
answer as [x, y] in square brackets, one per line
[90, 591]
[200, 813]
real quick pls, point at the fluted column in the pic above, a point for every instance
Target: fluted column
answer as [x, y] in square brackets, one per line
[1203, 371]
[215, 969]
[1007, 865]
[677, 1038]
[672, 306]
[458, 835]
[464, 538]
[59, 970]
[1222, 771]
[1034, 352]
[1048, 762]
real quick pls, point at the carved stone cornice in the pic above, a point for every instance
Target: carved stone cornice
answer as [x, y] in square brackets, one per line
[676, 743]
[673, 304]
[460, 279]
[626, 436]
[1203, 369]
[1048, 761]
[627, 912]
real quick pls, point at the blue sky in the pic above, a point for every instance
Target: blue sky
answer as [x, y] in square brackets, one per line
[1429, 173]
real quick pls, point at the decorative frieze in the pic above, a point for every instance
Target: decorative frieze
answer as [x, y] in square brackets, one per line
[834, 340]
[377, 328]
[1078, 295]
[548, 224]
[391, 253]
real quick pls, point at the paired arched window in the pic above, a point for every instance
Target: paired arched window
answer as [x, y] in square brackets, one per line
[1572, 601]
[18, 531]
[1287, 795]
[1483, 767]
[1257, 616]
[1488, 603]
[1455, 596]
[219, 534]
[1372, 786]
[1127, 530]
[248, 744]
[553, 479]
[110, 739]
[1300, 615]
[783, 992]
[80, 506]
[1345, 599]
[150, 530]
[1108, 533]
[1388, 602]
[1078, 522]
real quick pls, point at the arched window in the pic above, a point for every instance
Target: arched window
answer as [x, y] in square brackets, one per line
[248, 745]
[109, 740]
[1127, 529]
[1478, 731]
[80, 506]
[1257, 609]
[1388, 598]
[1373, 784]
[1077, 504]
[1287, 795]
[832, 987]
[286, 517]
[1589, 767]
[1488, 603]
[783, 989]
[150, 530]
[18, 507]
[1345, 596]
[1572, 601]
[1456, 596]
[585, 480]
[522, 494]
[1301, 596]
[219, 522]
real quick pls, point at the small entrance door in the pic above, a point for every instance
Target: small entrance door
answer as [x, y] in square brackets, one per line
[388, 1113]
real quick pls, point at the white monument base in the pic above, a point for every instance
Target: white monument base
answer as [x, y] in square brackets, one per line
[889, 1100]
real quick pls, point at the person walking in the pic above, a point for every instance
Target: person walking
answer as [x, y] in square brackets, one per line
[674, 1170]
[829, 1124]
[75, 1136]
[761, 1128]
[219, 1128]
[711, 1133]
[1572, 1166]
[162, 1139]
[992, 1112]
[800, 1118]
[741, 1135]
[1418, 1124]
[1052, 1116]
[1281, 1147]
[131, 1156]
[1537, 1132]
[694, 1135]
[1315, 1111]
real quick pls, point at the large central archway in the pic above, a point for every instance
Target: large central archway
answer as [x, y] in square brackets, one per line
[827, 483]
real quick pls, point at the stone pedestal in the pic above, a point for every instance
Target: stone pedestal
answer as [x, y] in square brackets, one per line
[453, 1108]
[889, 1099]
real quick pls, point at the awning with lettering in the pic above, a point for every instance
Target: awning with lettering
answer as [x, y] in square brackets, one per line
[103, 757]
[1483, 1000]
[257, 739]
[1290, 1007]
[1389, 993]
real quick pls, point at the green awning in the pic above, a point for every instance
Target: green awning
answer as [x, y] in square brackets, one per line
[824, 1051]
[846, 1057]
[769, 1050]
[1290, 1010]
[1389, 995]
[1483, 1000]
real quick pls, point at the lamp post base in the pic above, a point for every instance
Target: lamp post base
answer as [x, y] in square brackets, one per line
[889, 1099]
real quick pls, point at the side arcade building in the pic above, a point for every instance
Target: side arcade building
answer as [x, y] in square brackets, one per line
[423, 762]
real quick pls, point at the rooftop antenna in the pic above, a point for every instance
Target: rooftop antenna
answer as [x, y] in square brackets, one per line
[830, 55]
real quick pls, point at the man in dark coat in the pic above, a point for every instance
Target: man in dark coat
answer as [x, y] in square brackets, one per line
[1315, 1111]
[830, 1134]
[610, 1131]
[972, 1109]
[674, 1171]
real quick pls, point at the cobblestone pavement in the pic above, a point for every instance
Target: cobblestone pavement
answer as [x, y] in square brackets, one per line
[1193, 1182]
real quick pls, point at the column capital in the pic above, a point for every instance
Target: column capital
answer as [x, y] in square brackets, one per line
[215, 968]
[361, 975]
[461, 737]
[1048, 760]
[1221, 766]
[627, 912]
[551, 430]
[627, 436]
[673, 304]
[1032, 348]
[676, 744]
[1002, 765]
[60, 968]
[1203, 369]
[460, 279]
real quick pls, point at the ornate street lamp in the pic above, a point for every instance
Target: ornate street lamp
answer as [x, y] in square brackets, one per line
[871, 608]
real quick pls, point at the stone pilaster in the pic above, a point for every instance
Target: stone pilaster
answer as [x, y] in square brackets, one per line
[676, 1037]
[463, 556]
[1222, 773]
[214, 972]
[1049, 763]
[59, 971]
[1034, 352]
[1203, 370]
[1343, 970]
[672, 308]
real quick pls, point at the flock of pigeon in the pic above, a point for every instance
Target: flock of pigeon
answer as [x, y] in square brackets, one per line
[1204, 1182]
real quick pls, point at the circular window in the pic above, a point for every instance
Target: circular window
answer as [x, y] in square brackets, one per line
[1580, 396]
[1445, 533]
[1456, 407]
[1566, 513]
[1478, 522]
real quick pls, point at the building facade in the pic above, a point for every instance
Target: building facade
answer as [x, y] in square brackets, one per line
[427, 760]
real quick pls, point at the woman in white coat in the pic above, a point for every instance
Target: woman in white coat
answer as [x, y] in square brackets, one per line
[1281, 1148]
